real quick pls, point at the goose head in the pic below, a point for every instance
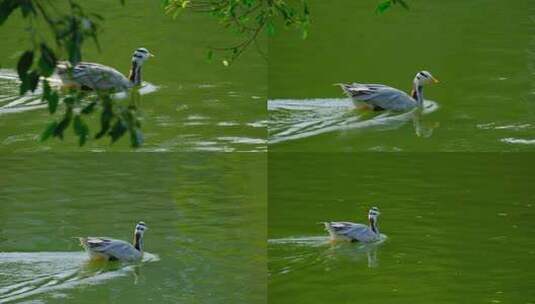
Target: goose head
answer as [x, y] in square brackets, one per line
[424, 77]
[141, 55]
[141, 227]
[373, 217]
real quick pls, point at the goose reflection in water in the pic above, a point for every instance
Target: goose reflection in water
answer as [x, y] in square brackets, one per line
[348, 252]
[318, 252]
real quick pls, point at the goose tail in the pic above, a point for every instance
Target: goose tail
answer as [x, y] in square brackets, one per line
[62, 67]
[347, 88]
[83, 241]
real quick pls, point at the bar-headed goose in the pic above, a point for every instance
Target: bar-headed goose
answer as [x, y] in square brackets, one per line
[356, 232]
[381, 97]
[116, 250]
[94, 76]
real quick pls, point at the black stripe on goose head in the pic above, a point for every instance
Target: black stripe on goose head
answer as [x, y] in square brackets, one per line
[141, 226]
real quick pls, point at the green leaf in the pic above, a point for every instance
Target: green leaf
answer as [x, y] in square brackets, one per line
[73, 49]
[304, 34]
[24, 85]
[50, 96]
[6, 8]
[81, 129]
[89, 108]
[49, 130]
[383, 6]
[33, 80]
[105, 117]
[47, 62]
[46, 90]
[176, 13]
[53, 101]
[270, 28]
[136, 138]
[306, 10]
[210, 54]
[26, 7]
[403, 4]
[24, 64]
[118, 130]
[29, 82]
[69, 100]
[63, 124]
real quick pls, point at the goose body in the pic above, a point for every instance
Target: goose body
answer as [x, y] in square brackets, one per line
[95, 76]
[382, 97]
[116, 250]
[356, 232]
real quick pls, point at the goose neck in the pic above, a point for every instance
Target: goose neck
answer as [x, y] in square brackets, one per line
[418, 94]
[138, 241]
[373, 225]
[135, 73]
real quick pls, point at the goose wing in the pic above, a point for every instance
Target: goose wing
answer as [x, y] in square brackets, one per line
[94, 76]
[114, 249]
[379, 96]
[344, 228]
[359, 232]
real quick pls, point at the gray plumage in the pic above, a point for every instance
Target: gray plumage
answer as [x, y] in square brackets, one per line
[382, 97]
[112, 249]
[94, 76]
[354, 231]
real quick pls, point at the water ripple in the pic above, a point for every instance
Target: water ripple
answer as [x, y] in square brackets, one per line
[25, 274]
[319, 251]
[292, 119]
[522, 141]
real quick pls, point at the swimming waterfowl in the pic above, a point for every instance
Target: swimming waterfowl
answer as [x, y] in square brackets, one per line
[356, 232]
[380, 97]
[116, 250]
[94, 76]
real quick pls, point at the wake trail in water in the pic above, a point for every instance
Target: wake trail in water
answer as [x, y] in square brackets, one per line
[27, 274]
[298, 253]
[292, 119]
[312, 241]
[531, 67]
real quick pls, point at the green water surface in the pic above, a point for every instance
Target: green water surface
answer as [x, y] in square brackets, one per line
[482, 51]
[198, 105]
[459, 228]
[206, 214]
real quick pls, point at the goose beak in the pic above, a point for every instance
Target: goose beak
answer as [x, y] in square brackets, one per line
[434, 80]
[151, 55]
